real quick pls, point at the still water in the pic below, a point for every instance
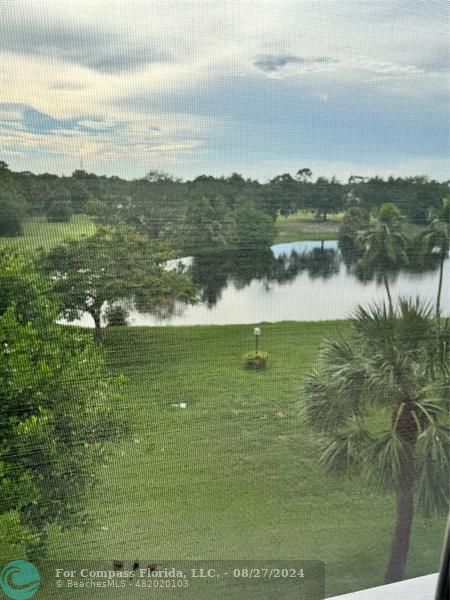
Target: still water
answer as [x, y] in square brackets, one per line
[301, 281]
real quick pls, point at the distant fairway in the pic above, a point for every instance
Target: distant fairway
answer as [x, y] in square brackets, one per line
[39, 234]
[303, 225]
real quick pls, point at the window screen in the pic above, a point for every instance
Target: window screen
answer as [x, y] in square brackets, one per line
[224, 297]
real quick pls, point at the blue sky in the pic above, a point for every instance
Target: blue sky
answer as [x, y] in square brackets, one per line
[257, 87]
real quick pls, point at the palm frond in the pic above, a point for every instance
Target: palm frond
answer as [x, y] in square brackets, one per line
[335, 392]
[326, 409]
[432, 470]
[343, 453]
[384, 460]
[430, 410]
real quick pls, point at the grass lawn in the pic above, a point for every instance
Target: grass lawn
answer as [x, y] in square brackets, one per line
[304, 226]
[39, 234]
[235, 474]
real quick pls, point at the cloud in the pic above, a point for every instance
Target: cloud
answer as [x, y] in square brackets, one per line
[38, 122]
[66, 86]
[275, 62]
[147, 84]
[102, 49]
[35, 140]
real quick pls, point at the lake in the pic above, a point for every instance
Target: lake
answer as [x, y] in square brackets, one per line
[301, 281]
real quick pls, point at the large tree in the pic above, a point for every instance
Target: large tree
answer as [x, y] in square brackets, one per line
[356, 220]
[209, 226]
[384, 245]
[114, 265]
[154, 206]
[327, 196]
[285, 194]
[12, 204]
[54, 416]
[255, 230]
[437, 235]
[380, 399]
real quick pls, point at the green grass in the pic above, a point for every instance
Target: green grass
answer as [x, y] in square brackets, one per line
[303, 226]
[39, 234]
[235, 475]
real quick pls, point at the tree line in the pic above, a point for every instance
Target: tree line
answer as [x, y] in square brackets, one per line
[218, 212]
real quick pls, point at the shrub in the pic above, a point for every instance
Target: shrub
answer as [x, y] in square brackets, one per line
[59, 212]
[255, 360]
[12, 213]
[16, 536]
[94, 208]
[254, 228]
[116, 316]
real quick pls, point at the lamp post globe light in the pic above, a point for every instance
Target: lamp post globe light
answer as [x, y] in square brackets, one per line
[256, 333]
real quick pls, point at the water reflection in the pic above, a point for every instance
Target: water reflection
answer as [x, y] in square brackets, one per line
[418, 262]
[215, 273]
[303, 281]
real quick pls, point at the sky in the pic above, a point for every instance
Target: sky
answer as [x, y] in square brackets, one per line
[262, 87]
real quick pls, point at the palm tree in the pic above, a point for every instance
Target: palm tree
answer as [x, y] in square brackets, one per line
[384, 245]
[395, 367]
[437, 235]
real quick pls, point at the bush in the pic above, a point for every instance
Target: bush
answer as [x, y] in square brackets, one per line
[356, 220]
[94, 208]
[255, 360]
[116, 316]
[12, 213]
[254, 228]
[59, 212]
[16, 536]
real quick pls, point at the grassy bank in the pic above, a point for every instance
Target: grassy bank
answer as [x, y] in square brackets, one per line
[303, 225]
[39, 234]
[235, 474]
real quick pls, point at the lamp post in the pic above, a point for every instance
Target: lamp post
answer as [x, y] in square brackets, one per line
[256, 333]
